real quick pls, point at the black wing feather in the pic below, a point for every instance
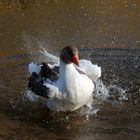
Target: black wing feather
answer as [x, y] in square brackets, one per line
[36, 80]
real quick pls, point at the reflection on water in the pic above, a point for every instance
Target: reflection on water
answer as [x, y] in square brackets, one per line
[94, 24]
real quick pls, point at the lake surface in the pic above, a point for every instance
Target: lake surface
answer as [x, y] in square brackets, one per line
[106, 32]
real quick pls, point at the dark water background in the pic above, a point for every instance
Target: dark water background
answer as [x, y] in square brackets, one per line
[106, 31]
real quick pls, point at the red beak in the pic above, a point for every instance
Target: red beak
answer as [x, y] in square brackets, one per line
[75, 60]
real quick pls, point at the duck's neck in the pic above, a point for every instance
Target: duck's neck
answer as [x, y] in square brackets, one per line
[66, 69]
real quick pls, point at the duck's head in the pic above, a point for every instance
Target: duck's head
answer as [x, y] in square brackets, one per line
[69, 55]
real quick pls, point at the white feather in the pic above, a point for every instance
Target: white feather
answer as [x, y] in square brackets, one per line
[71, 91]
[33, 67]
[92, 71]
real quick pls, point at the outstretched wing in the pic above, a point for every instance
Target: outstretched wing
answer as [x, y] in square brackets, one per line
[39, 74]
[49, 73]
[87, 68]
[35, 84]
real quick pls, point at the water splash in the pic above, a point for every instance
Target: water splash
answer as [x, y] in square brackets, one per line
[35, 47]
[51, 58]
[117, 93]
[29, 95]
[104, 94]
[101, 91]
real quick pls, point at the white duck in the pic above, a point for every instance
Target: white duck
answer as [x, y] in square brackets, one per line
[73, 89]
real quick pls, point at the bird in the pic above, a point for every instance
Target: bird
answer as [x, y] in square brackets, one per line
[68, 86]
